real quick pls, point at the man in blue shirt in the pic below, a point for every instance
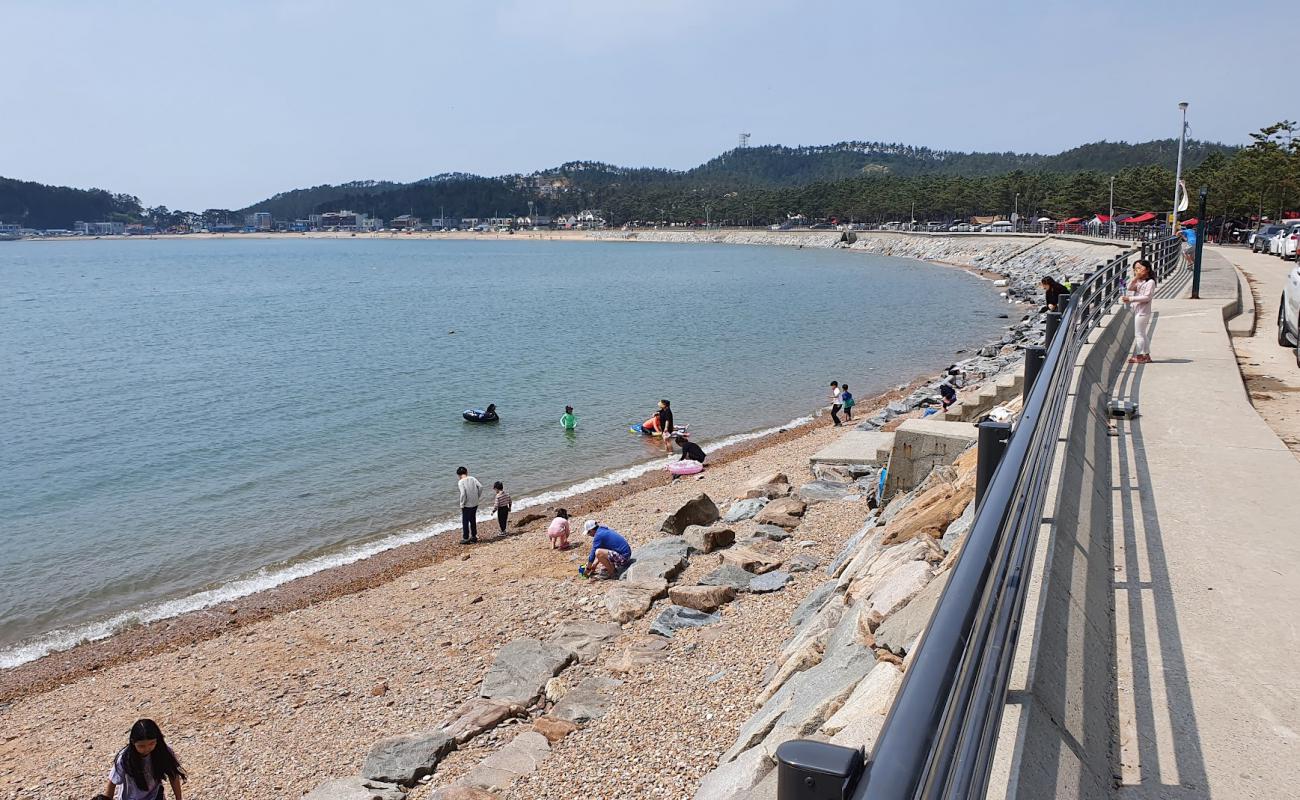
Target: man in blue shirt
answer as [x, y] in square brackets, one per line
[610, 552]
[1189, 245]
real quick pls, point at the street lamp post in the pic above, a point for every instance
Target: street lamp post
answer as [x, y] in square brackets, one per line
[1178, 172]
[1112, 207]
[1015, 215]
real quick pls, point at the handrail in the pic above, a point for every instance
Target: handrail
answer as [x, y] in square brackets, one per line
[939, 737]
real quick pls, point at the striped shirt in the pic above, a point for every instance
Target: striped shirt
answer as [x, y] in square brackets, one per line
[502, 501]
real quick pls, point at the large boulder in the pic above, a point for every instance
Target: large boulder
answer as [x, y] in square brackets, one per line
[676, 618]
[699, 510]
[744, 509]
[786, 512]
[812, 603]
[773, 533]
[667, 547]
[406, 759]
[850, 548]
[701, 598]
[894, 591]
[356, 788]
[585, 638]
[589, 700]
[478, 715]
[823, 490]
[522, 668]
[731, 575]
[930, 512]
[627, 600]
[750, 559]
[707, 539]
[665, 568]
[873, 696]
[728, 781]
[956, 531]
[904, 627]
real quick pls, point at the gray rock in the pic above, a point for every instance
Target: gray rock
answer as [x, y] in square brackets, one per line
[817, 693]
[802, 563]
[667, 547]
[730, 779]
[819, 491]
[705, 540]
[675, 618]
[589, 700]
[356, 788]
[477, 715]
[769, 582]
[729, 575]
[699, 510]
[901, 629]
[835, 473]
[522, 668]
[665, 568]
[812, 603]
[898, 407]
[521, 757]
[405, 759]
[745, 509]
[585, 638]
[774, 533]
[846, 552]
[958, 528]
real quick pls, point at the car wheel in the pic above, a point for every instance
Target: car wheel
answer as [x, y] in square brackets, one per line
[1283, 338]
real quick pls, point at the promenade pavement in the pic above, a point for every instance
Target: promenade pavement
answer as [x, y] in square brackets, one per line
[1207, 568]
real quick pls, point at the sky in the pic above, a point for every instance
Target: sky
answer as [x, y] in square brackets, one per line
[218, 105]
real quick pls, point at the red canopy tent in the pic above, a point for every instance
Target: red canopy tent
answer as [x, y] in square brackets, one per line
[1140, 218]
[1072, 221]
[1103, 218]
[1190, 223]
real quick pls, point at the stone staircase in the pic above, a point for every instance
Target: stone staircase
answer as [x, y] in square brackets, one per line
[971, 406]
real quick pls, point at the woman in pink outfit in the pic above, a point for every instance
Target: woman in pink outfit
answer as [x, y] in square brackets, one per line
[1140, 291]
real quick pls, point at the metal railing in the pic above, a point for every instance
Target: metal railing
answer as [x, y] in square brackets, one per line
[939, 737]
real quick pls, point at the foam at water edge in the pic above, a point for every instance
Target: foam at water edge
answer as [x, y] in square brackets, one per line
[264, 579]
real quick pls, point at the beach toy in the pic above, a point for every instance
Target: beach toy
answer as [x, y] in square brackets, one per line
[478, 415]
[687, 467]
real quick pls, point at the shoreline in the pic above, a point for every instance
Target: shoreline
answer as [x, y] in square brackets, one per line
[134, 643]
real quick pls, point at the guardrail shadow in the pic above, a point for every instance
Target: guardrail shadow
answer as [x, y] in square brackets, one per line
[1158, 748]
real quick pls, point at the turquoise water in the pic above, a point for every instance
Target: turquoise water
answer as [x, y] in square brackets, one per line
[186, 421]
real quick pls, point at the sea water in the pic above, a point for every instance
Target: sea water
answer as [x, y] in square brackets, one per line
[186, 421]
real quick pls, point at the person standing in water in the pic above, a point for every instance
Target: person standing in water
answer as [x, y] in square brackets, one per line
[143, 765]
[568, 421]
[665, 417]
[470, 492]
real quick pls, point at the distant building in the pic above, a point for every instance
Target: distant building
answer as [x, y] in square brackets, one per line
[442, 223]
[501, 222]
[8, 229]
[469, 222]
[261, 221]
[406, 222]
[315, 221]
[99, 228]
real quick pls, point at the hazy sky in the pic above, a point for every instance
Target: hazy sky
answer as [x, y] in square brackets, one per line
[199, 105]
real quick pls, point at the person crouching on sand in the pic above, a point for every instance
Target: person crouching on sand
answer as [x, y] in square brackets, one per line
[610, 552]
[141, 767]
[559, 530]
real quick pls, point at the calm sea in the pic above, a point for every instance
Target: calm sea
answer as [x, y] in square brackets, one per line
[188, 421]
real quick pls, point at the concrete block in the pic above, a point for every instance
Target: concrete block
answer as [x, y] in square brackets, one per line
[855, 447]
[920, 445]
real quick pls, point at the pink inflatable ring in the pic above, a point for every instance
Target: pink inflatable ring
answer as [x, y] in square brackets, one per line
[686, 467]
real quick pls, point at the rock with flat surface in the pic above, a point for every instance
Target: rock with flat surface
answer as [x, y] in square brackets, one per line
[732, 778]
[627, 600]
[930, 512]
[850, 548]
[956, 531]
[518, 758]
[769, 582]
[405, 759]
[640, 652]
[665, 568]
[701, 598]
[802, 563]
[478, 715]
[553, 729]
[676, 618]
[872, 696]
[750, 559]
[585, 638]
[900, 631]
[773, 533]
[769, 491]
[895, 590]
[521, 669]
[707, 539]
[459, 791]
[729, 575]
[767, 480]
[825, 491]
[812, 603]
[666, 547]
[355, 788]
[589, 700]
[744, 509]
[786, 512]
[699, 510]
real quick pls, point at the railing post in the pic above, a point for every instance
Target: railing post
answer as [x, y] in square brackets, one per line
[808, 770]
[1034, 357]
[1051, 323]
[993, 438]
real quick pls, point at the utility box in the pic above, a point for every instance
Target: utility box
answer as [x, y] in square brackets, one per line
[808, 770]
[1121, 409]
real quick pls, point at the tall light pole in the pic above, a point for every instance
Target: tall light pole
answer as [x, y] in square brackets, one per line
[1112, 207]
[1015, 215]
[1178, 173]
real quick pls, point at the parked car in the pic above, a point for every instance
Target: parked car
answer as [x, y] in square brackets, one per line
[1288, 313]
[1290, 238]
[1001, 227]
[1259, 239]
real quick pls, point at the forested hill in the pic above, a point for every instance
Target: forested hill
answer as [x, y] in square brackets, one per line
[35, 205]
[588, 184]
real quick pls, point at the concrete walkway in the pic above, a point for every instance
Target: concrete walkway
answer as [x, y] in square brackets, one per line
[1207, 571]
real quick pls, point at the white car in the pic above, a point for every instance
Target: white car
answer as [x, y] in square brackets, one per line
[1274, 244]
[1288, 313]
[1290, 238]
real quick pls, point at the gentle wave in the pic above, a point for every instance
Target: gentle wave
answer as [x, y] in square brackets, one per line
[269, 578]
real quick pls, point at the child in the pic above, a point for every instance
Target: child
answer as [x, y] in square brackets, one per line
[502, 505]
[559, 530]
[835, 403]
[847, 401]
[141, 767]
[568, 421]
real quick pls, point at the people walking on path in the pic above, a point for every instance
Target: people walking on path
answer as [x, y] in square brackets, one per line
[610, 552]
[846, 402]
[1138, 298]
[568, 421]
[559, 530]
[501, 504]
[471, 493]
[835, 403]
[142, 767]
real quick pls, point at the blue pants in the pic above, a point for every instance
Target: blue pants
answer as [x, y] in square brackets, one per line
[468, 524]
